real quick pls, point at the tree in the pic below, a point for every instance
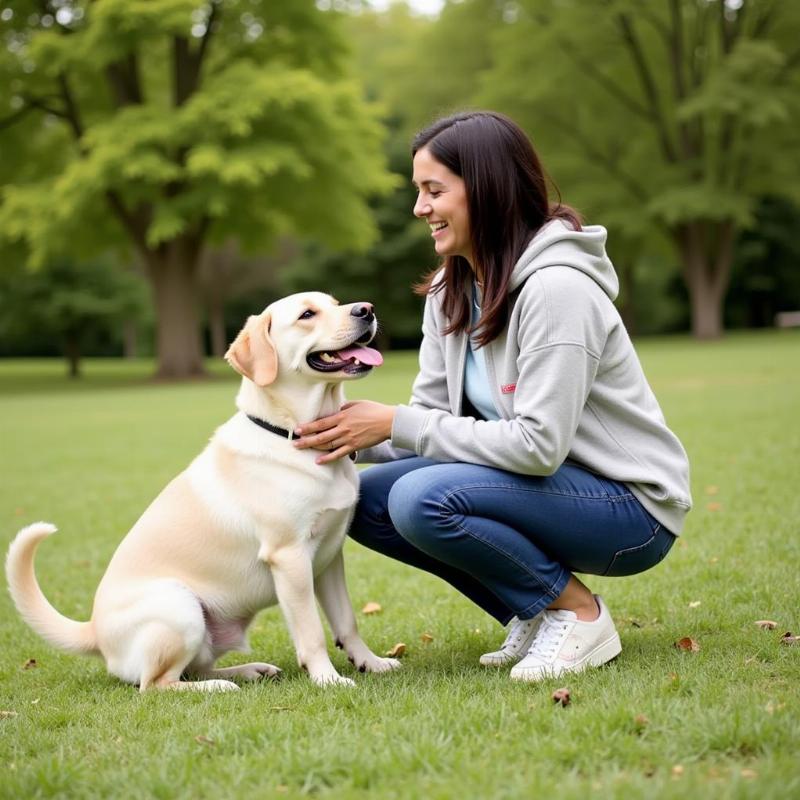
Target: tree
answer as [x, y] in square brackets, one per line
[72, 305]
[180, 123]
[679, 114]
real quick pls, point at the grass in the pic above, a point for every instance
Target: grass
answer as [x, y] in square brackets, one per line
[723, 722]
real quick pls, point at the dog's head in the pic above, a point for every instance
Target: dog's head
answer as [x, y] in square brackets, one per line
[306, 334]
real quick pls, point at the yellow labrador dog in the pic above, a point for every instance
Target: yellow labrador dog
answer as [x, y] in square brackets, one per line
[252, 521]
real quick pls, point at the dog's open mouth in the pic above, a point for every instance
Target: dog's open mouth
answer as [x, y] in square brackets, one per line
[353, 359]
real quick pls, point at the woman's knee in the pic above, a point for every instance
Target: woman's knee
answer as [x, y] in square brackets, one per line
[416, 508]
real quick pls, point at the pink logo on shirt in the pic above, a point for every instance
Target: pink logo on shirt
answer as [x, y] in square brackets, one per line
[508, 388]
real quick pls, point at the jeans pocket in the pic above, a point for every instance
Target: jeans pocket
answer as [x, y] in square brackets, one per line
[633, 560]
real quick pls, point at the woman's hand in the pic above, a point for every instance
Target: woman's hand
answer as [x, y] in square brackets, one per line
[355, 426]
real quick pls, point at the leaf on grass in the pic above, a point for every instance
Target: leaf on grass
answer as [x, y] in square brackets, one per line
[426, 638]
[372, 608]
[714, 506]
[713, 560]
[766, 624]
[677, 771]
[641, 721]
[710, 490]
[30, 664]
[561, 696]
[748, 774]
[694, 604]
[688, 644]
[205, 740]
[7, 714]
[281, 708]
[787, 638]
[397, 651]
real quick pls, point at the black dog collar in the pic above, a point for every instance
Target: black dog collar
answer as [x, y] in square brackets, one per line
[273, 428]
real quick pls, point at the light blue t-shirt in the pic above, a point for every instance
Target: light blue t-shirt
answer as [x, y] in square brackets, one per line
[476, 379]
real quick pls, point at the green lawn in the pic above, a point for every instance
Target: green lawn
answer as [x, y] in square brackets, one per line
[722, 722]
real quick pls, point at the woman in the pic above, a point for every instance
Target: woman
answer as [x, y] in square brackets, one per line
[532, 447]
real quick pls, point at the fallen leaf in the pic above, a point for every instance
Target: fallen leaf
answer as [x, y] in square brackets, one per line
[749, 774]
[787, 638]
[397, 651]
[713, 560]
[710, 490]
[771, 707]
[205, 740]
[714, 506]
[30, 664]
[561, 696]
[688, 644]
[426, 638]
[372, 608]
[280, 708]
[766, 624]
[19, 511]
[7, 714]
[677, 771]
[34, 702]
[694, 604]
[282, 788]
[641, 721]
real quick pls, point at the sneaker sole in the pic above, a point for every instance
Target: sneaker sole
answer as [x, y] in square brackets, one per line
[604, 652]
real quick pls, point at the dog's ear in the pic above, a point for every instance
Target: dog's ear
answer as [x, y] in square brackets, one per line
[252, 353]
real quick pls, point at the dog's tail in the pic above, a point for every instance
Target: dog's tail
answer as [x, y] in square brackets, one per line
[58, 630]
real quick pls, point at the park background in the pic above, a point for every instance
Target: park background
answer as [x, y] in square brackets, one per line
[168, 167]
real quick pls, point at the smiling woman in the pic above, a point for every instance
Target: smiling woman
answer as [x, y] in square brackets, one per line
[532, 447]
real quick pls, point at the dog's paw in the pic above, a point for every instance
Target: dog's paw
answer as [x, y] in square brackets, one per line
[332, 679]
[257, 671]
[218, 685]
[378, 664]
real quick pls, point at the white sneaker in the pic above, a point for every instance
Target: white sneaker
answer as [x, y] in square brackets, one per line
[564, 643]
[518, 641]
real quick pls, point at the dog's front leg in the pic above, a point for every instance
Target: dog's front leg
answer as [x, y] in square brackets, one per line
[333, 597]
[294, 586]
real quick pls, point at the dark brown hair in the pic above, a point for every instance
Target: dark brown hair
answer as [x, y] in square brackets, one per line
[507, 204]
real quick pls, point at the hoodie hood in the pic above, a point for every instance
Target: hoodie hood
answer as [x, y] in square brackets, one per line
[557, 244]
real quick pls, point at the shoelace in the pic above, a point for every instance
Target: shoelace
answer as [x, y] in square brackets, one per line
[548, 639]
[519, 630]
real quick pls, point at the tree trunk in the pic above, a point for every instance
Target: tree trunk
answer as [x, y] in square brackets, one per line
[707, 253]
[72, 352]
[172, 272]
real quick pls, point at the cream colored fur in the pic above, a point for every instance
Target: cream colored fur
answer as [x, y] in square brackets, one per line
[252, 521]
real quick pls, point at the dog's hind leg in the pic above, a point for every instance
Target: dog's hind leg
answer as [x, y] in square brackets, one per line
[167, 651]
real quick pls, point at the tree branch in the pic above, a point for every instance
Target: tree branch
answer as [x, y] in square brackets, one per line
[123, 78]
[589, 68]
[648, 84]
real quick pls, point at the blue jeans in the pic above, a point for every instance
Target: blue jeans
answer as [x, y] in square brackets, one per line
[508, 542]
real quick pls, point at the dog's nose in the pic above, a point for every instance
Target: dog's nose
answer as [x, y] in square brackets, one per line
[363, 311]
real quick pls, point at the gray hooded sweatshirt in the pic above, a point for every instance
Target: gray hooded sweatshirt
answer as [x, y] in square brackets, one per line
[564, 378]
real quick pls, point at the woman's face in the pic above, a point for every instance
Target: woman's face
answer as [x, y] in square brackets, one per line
[442, 202]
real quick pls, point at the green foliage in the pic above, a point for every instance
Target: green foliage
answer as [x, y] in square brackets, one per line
[68, 306]
[228, 118]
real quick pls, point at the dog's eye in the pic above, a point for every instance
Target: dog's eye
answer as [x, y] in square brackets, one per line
[307, 314]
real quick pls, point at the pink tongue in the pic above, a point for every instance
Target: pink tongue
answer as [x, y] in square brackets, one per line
[366, 355]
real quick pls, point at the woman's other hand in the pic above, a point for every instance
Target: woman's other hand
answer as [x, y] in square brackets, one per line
[355, 426]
